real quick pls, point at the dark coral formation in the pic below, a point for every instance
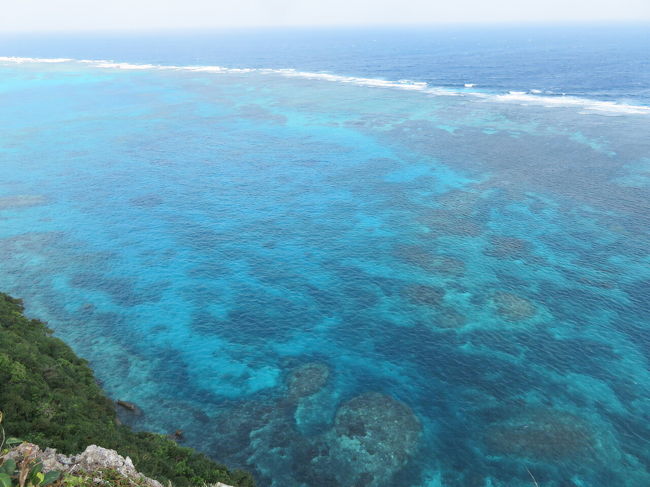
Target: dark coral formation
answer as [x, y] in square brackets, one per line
[235, 424]
[460, 201]
[540, 434]
[378, 418]
[448, 317]
[374, 436]
[307, 379]
[122, 290]
[447, 265]
[147, 201]
[423, 294]
[421, 256]
[445, 222]
[21, 201]
[513, 307]
[508, 247]
[458, 215]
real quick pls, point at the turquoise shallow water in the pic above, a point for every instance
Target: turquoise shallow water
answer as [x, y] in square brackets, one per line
[341, 285]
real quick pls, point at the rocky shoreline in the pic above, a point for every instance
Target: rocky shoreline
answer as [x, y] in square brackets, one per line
[94, 462]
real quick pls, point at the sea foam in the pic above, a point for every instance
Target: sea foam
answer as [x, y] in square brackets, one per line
[534, 98]
[21, 60]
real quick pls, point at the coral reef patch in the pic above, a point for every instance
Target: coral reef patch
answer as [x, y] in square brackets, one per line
[513, 307]
[307, 379]
[21, 201]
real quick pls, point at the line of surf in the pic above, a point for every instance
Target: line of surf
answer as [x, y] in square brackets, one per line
[533, 97]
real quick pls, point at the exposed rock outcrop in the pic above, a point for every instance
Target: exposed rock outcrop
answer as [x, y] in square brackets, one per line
[94, 459]
[129, 406]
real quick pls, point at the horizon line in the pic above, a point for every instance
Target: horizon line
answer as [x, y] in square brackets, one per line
[422, 25]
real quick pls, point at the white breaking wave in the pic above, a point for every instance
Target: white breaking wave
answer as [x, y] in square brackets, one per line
[571, 101]
[533, 97]
[21, 60]
[381, 83]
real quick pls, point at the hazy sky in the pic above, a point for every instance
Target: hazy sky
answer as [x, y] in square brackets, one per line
[25, 15]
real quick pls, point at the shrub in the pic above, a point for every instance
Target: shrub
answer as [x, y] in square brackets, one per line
[50, 398]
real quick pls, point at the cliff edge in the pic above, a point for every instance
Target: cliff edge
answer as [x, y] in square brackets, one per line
[50, 398]
[95, 465]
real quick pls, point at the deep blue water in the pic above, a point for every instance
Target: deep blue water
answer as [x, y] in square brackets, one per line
[597, 61]
[345, 282]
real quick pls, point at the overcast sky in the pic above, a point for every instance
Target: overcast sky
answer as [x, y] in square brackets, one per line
[27, 15]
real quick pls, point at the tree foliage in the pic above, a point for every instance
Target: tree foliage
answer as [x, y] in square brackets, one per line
[50, 397]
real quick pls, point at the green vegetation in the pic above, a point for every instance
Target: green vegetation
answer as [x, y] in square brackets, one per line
[50, 397]
[26, 474]
[109, 478]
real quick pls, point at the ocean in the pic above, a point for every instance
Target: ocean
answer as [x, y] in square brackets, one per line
[347, 257]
